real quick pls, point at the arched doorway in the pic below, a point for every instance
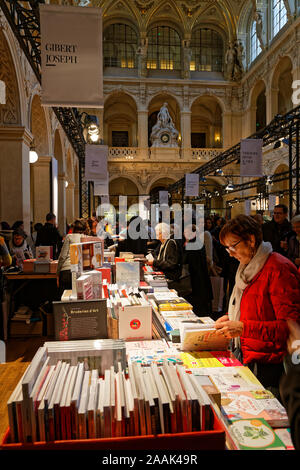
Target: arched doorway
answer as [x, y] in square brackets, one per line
[206, 123]
[120, 121]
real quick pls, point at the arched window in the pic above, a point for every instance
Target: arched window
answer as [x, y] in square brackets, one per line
[207, 51]
[279, 15]
[163, 49]
[120, 43]
[255, 48]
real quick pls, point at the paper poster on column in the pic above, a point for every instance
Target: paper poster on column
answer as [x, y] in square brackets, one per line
[247, 207]
[251, 157]
[163, 197]
[71, 56]
[96, 162]
[101, 187]
[192, 184]
[272, 201]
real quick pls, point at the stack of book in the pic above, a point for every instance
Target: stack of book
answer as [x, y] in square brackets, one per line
[97, 354]
[65, 401]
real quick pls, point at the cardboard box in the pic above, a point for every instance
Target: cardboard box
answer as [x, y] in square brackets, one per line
[19, 329]
[28, 265]
[42, 267]
[53, 266]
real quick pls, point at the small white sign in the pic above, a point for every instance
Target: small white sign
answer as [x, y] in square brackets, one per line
[251, 157]
[163, 197]
[96, 162]
[192, 184]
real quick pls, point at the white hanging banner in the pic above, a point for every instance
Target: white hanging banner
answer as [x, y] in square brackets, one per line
[192, 184]
[96, 162]
[251, 157]
[247, 207]
[272, 201]
[71, 55]
[163, 197]
[101, 187]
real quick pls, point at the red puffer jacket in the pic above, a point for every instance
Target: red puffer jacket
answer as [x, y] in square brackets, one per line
[272, 296]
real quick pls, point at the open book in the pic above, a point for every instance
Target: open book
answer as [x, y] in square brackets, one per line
[199, 337]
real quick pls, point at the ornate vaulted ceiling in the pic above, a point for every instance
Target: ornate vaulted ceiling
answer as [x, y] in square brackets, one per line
[186, 14]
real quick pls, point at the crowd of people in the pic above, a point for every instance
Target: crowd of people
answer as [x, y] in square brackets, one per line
[259, 263]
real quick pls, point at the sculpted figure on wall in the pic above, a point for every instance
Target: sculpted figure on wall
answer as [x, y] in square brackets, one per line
[142, 57]
[163, 132]
[259, 27]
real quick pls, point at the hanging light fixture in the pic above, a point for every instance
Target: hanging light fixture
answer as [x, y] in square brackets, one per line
[33, 156]
[91, 130]
[229, 187]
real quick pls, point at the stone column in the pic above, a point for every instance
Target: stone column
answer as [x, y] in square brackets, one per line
[41, 198]
[271, 102]
[185, 117]
[70, 203]
[15, 175]
[76, 201]
[143, 132]
[61, 216]
[227, 129]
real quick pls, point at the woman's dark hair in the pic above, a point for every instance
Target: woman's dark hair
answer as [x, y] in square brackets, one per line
[5, 226]
[18, 232]
[242, 226]
[81, 226]
[17, 224]
[37, 226]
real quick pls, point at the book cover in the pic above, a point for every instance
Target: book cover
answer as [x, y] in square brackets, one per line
[80, 319]
[255, 434]
[243, 405]
[128, 273]
[135, 322]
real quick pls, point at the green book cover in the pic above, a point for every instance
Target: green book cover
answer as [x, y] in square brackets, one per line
[255, 434]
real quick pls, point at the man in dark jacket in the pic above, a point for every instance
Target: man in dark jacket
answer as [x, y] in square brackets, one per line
[50, 236]
[279, 230]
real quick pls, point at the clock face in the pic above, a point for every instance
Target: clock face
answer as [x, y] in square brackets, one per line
[165, 138]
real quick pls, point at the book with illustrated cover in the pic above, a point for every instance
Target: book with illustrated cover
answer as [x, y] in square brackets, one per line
[128, 273]
[244, 405]
[255, 434]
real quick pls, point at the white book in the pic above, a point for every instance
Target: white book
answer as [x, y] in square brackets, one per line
[34, 395]
[118, 409]
[51, 434]
[40, 404]
[136, 368]
[59, 391]
[12, 412]
[82, 410]
[100, 411]
[27, 385]
[135, 399]
[107, 405]
[75, 400]
[65, 404]
[92, 403]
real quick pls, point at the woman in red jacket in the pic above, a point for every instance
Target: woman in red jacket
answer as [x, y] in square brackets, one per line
[265, 295]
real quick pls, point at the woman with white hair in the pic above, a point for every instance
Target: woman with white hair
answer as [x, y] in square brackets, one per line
[168, 256]
[293, 252]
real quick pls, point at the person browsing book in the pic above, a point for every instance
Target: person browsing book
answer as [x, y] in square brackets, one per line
[265, 295]
[64, 277]
[168, 256]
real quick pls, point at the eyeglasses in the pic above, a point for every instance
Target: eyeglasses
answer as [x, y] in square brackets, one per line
[277, 213]
[232, 247]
